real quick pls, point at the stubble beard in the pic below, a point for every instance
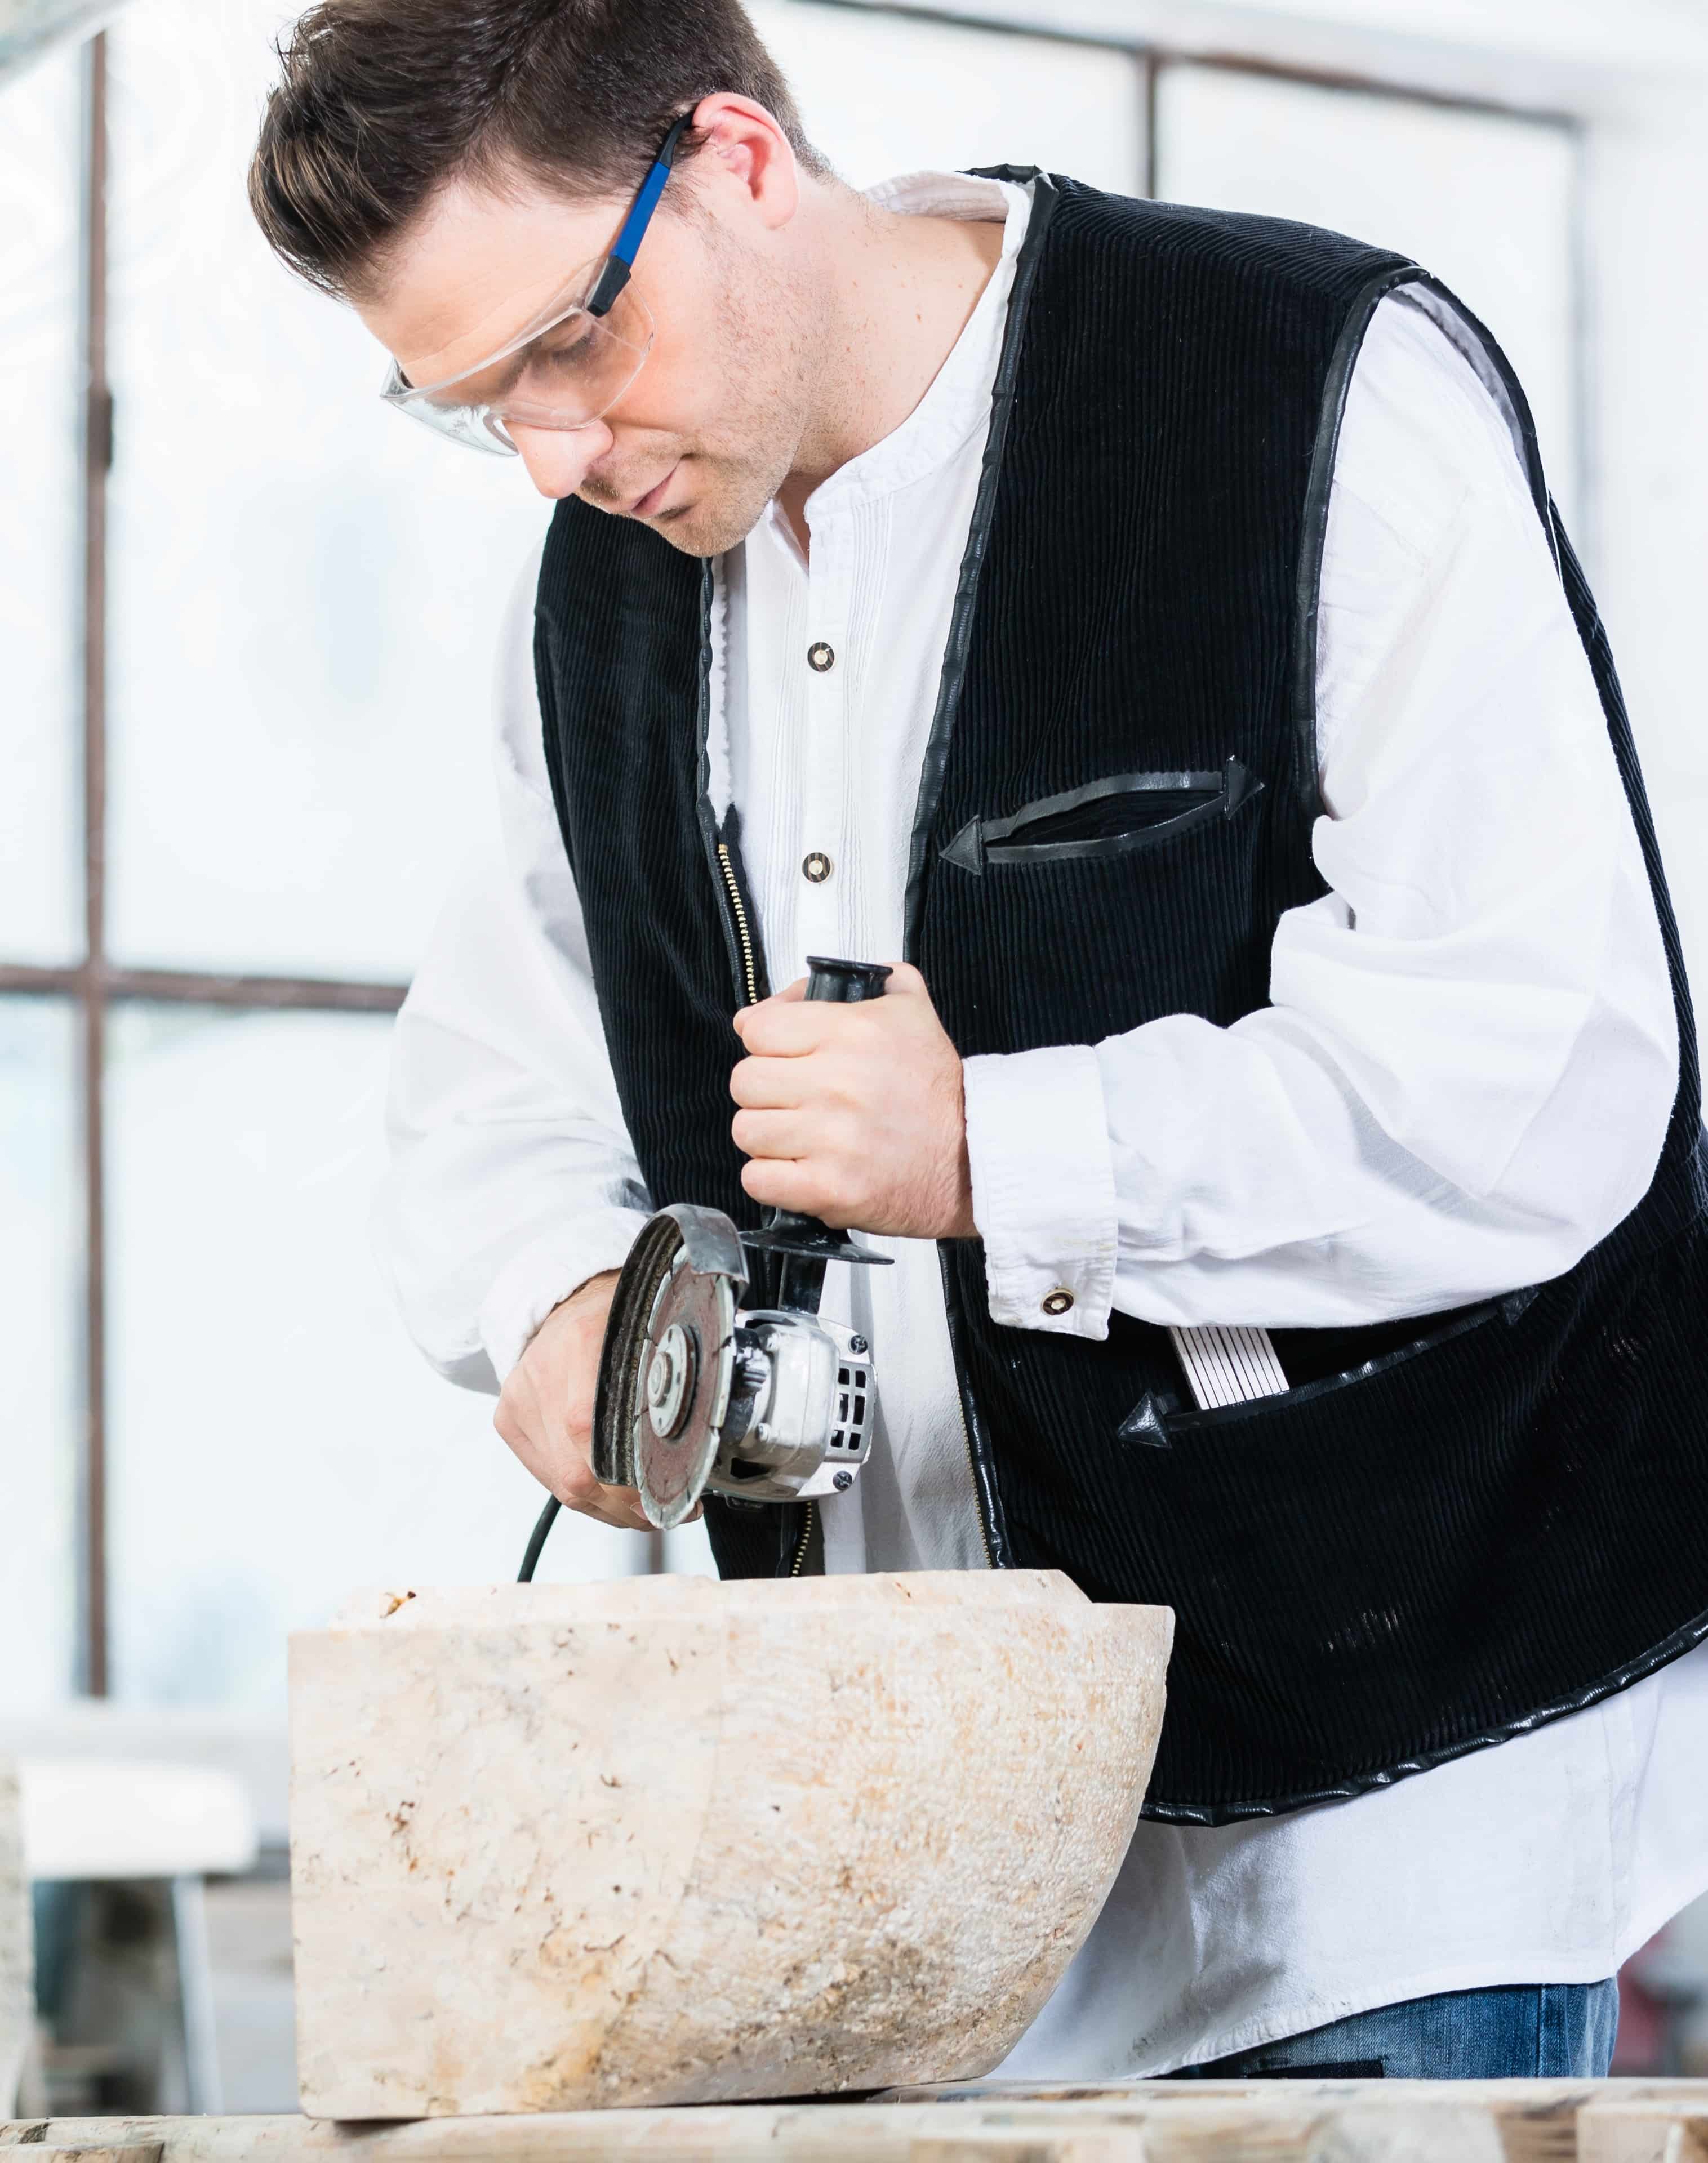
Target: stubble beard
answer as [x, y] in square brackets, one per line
[764, 409]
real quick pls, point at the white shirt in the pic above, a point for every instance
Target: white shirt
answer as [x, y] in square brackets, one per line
[1461, 1084]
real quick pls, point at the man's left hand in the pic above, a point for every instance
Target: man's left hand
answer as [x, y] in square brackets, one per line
[855, 1113]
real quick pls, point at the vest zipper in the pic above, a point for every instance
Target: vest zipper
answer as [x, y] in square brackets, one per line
[744, 940]
[973, 1474]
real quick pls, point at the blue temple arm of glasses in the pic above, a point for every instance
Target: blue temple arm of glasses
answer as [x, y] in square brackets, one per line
[617, 264]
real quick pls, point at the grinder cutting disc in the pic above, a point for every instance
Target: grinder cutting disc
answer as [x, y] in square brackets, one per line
[669, 1357]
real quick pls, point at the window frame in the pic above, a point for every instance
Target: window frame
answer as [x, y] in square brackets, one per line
[92, 984]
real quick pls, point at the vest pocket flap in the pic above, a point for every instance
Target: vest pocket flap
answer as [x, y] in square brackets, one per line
[1104, 817]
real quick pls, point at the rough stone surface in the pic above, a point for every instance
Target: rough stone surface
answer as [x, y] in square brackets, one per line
[668, 1841]
[16, 1964]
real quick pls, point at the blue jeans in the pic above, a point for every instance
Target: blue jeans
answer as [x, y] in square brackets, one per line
[1544, 2031]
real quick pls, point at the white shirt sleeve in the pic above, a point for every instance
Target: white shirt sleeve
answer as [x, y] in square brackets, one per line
[512, 1178]
[1464, 1077]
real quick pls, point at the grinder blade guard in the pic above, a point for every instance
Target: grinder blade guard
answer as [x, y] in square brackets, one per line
[768, 1404]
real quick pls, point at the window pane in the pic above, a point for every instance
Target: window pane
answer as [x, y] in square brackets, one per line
[306, 587]
[883, 94]
[41, 1211]
[28, 26]
[277, 1442]
[1484, 201]
[40, 464]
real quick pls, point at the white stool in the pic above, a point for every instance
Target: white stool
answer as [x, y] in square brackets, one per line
[89, 1820]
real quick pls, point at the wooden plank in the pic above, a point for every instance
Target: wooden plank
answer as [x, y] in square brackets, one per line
[1373, 2133]
[169, 2140]
[131, 2152]
[105, 2151]
[734, 2134]
[1289, 2122]
[1042, 2144]
[1140, 2122]
[1538, 2120]
[1642, 2130]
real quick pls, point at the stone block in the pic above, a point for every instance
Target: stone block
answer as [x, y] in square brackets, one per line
[666, 1841]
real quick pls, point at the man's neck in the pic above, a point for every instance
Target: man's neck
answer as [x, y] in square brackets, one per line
[902, 289]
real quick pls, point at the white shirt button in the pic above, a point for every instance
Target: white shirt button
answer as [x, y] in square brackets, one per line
[820, 657]
[1059, 1301]
[816, 866]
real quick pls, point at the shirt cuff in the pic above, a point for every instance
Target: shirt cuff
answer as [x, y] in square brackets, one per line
[545, 1273]
[1043, 1188]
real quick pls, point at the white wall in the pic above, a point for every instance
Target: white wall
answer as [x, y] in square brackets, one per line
[1483, 200]
[893, 94]
[1648, 260]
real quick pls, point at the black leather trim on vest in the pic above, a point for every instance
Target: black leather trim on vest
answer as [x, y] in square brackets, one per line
[983, 842]
[1482, 351]
[1347, 349]
[955, 647]
[1486, 351]
[979, 1452]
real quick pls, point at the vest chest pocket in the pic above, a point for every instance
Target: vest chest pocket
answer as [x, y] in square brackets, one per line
[1121, 813]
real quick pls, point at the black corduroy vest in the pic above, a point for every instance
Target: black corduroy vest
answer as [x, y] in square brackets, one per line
[1448, 1530]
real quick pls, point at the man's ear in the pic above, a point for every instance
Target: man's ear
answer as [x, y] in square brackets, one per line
[745, 168]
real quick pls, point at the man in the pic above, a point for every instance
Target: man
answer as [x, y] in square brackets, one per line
[1148, 629]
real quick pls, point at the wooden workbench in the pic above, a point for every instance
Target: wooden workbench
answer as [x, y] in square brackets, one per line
[987, 2122]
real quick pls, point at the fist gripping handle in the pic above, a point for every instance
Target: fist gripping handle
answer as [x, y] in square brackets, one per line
[805, 1243]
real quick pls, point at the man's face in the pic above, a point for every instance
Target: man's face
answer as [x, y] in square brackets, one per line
[708, 432]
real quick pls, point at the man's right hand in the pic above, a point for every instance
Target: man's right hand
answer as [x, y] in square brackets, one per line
[545, 1410]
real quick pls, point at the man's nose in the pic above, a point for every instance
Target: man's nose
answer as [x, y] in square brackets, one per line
[558, 459]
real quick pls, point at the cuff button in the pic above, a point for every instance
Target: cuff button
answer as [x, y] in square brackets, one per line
[1059, 1301]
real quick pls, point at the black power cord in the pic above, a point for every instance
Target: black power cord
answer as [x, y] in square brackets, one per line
[537, 1540]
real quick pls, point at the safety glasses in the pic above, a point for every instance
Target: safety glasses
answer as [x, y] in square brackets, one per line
[568, 365]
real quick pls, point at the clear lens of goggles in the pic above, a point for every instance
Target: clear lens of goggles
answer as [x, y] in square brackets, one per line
[562, 372]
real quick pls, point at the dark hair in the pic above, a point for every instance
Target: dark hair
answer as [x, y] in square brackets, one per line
[381, 102]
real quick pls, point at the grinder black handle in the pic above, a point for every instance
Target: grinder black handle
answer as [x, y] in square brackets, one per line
[805, 1242]
[847, 983]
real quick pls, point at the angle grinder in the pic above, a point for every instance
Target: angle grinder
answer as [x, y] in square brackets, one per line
[768, 1403]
